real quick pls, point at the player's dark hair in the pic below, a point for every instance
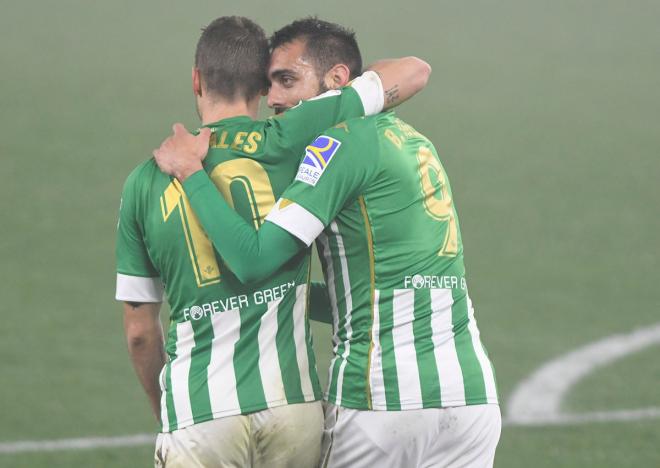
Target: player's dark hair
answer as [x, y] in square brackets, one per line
[232, 57]
[327, 44]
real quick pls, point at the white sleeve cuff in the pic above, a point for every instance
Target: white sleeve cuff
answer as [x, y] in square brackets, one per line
[296, 220]
[139, 289]
[370, 89]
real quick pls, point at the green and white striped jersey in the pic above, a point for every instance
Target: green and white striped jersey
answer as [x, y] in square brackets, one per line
[233, 349]
[375, 193]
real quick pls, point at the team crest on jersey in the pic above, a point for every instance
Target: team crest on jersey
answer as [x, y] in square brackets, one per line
[317, 157]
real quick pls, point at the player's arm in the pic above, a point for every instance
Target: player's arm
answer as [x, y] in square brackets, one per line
[254, 255]
[384, 85]
[141, 291]
[144, 337]
[387, 84]
[401, 78]
[251, 255]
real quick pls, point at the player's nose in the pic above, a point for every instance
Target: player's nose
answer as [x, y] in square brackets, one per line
[274, 98]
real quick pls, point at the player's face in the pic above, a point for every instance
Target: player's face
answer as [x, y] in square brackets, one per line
[292, 77]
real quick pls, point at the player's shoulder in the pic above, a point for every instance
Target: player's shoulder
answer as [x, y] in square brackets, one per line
[356, 130]
[145, 168]
[142, 174]
[353, 141]
[390, 121]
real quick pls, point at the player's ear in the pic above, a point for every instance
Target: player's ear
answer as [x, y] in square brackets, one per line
[196, 82]
[338, 76]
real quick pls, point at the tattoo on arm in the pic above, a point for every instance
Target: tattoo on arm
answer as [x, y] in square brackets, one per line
[392, 94]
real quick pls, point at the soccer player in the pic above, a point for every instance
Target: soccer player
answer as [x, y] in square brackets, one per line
[236, 384]
[410, 383]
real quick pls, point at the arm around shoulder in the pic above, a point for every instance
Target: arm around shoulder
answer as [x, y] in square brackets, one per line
[401, 78]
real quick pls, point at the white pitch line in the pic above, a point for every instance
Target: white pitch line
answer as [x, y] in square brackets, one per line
[76, 444]
[588, 417]
[537, 399]
[535, 402]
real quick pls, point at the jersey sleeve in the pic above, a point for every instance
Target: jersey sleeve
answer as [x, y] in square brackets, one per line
[137, 279]
[289, 132]
[335, 170]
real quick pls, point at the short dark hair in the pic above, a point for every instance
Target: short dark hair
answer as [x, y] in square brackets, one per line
[327, 44]
[232, 56]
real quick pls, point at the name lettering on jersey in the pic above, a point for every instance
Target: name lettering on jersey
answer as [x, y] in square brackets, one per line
[403, 133]
[263, 296]
[393, 137]
[434, 282]
[241, 141]
[317, 157]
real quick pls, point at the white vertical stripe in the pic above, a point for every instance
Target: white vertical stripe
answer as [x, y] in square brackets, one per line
[163, 413]
[332, 295]
[269, 364]
[179, 372]
[300, 339]
[486, 369]
[346, 279]
[332, 292]
[452, 389]
[221, 373]
[340, 374]
[165, 422]
[376, 379]
[348, 301]
[410, 392]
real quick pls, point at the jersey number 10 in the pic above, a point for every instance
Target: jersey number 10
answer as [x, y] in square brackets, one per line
[252, 179]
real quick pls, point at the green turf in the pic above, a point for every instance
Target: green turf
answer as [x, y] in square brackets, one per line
[625, 384]
[545, 115]
[620, 445]
[134, 457]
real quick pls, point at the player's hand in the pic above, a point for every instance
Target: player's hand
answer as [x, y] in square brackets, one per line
[182, 153]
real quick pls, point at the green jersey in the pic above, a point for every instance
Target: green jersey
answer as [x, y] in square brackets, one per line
[405, 336]
[232, 349]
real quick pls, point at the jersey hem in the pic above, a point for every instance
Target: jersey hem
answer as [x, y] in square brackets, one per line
[139, 288]
[312, 212]
[414, 405]
[126, 273]
[238, 412]
[369, 87]
[297, 221]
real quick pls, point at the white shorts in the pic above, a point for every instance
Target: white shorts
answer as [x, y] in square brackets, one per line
[284, 436]
[464, 436]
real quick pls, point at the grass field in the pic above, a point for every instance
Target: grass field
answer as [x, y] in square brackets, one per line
[546, 117]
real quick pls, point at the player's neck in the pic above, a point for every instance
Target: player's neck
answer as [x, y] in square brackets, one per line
[212, 111]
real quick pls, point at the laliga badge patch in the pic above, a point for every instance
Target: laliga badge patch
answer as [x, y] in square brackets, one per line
[317, 158]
